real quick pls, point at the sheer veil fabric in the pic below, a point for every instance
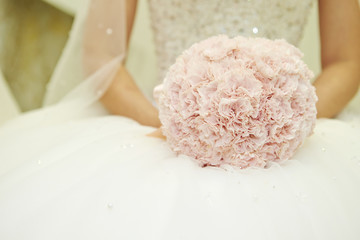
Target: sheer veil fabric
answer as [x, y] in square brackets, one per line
[95, 49]
[69, 172]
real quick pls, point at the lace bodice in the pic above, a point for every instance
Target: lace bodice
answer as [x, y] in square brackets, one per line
[180, 23]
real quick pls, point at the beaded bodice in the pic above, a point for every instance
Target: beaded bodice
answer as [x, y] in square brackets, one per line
[178, 24]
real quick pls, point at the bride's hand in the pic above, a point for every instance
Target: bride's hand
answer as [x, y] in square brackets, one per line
[157, 134]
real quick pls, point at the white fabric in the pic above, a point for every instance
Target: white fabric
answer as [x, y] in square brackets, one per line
[8, 106]
[101, 178]
[89, 47]
[68, 73]
[68, 6]
[68, 173]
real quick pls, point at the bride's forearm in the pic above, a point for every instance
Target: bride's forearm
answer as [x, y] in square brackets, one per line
[123, 97]
[340, 55]
[335, 87]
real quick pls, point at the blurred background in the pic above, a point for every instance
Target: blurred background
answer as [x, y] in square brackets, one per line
[33, 34]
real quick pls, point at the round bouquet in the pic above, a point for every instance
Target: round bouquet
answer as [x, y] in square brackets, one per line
[241, 101]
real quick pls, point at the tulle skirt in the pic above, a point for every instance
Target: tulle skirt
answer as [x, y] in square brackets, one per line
[100, 177]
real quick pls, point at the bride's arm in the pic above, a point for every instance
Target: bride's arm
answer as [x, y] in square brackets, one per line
[340, 55]
[106, 36]
[124, 98]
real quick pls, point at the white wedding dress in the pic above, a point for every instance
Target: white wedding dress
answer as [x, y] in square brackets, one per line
[69, 171]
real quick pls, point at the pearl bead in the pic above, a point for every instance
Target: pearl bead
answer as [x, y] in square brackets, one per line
[109, 31]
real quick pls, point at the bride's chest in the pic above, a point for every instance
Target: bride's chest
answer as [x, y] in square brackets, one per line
[175, 19]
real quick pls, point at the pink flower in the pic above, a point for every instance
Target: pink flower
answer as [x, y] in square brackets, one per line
[239, 101]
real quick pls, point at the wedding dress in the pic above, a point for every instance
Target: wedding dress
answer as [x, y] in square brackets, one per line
[71, 172]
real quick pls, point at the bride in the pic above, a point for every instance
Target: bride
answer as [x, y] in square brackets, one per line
[68, 171]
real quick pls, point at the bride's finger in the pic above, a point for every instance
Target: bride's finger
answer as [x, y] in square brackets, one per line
[157, 134]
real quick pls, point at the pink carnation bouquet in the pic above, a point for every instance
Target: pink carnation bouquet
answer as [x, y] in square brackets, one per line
[240, 101]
